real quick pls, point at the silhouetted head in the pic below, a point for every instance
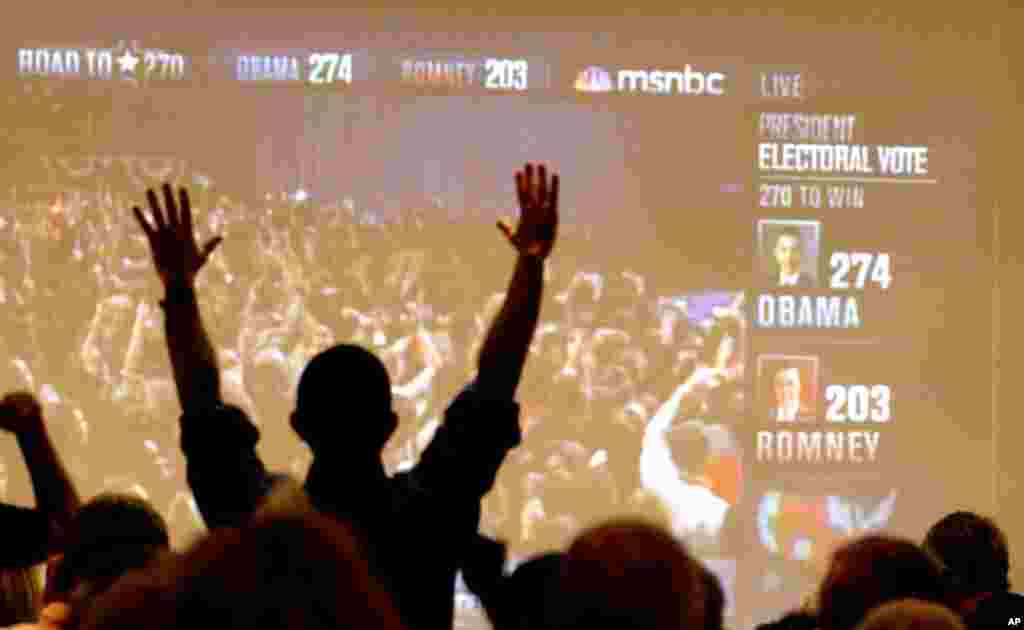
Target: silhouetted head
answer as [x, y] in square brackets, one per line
[974, 553]
[109, 536]
[628, 573]
[532, 595]
[912, 614]
[302, 570]
[872, 571]
[343, 402]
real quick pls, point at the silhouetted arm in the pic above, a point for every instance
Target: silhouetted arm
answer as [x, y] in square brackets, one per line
[56, 497]
[482, 424]
[193, 358]
[224, 471]
[503, 355]
[178, 258]
[483, 570]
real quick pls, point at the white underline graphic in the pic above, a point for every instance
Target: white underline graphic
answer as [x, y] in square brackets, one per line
[849, 180]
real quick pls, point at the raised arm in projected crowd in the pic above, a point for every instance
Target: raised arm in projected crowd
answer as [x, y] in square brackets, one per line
[343, 411]
[689, 464]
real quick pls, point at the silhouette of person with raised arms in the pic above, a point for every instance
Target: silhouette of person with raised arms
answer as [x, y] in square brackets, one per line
[416, 527]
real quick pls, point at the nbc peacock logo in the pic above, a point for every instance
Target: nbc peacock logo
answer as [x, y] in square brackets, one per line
[594, 79]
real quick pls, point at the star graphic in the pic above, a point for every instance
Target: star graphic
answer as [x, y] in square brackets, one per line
[128, 61]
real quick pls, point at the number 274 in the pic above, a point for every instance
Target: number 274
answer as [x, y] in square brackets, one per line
[874, 267]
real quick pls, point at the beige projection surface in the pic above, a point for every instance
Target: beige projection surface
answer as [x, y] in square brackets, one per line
[767, 319]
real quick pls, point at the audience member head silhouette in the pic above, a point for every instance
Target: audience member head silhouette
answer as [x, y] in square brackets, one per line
[911, 614]
[284, 571]
[533, 592]
[109, 536]
[874, 570]
[631, 574]
[524, 600]
[343, 404]
[975, 555]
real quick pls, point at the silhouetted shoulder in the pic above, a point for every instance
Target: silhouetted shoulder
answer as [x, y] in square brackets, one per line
[462, 460]
[223, 426]
[225, 473]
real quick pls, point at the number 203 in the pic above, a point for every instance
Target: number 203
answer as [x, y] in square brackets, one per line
[858, 403]
[506, 74]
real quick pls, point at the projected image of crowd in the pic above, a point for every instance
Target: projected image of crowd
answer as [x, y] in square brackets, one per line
[607, 354]
[297, 415]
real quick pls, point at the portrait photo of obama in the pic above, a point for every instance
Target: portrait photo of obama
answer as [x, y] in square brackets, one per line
[788, 253]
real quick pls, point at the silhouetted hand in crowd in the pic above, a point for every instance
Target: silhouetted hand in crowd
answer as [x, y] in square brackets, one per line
[176, 254]
[178, 258]
[538, 220]
[20, 414]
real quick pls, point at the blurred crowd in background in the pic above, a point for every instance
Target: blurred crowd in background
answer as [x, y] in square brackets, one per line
[82, 329]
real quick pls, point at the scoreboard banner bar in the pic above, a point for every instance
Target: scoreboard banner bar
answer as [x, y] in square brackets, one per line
[136, 63]
[133, 63]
